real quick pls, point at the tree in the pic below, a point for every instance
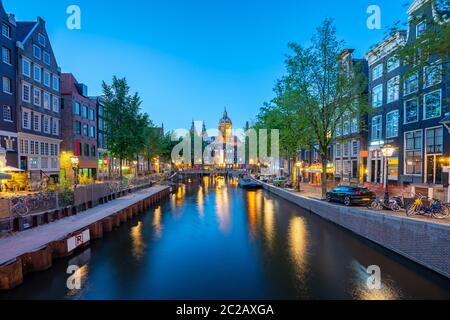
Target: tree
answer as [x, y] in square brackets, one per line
[124, 122]
[315, 94]
[153, 143]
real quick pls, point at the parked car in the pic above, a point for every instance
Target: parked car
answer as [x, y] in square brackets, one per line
[351, 195]
[265, 178]
[280, 182]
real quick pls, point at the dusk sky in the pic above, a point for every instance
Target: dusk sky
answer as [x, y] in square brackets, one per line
[190, 59]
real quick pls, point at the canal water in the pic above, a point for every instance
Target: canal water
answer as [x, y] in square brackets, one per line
[213, 240]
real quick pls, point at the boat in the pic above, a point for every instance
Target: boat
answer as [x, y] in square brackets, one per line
[248, 183]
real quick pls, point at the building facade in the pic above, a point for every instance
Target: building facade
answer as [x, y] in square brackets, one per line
[8, 118]
[38, 78]
[104, 160]
[408, 110]
[350, 156]
[79, 124]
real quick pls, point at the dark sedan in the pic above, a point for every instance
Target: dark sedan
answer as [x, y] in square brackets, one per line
[351, 195]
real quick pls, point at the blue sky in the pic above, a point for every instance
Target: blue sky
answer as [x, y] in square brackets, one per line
[189, 59]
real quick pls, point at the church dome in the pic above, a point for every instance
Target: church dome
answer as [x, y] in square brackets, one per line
[225, 119]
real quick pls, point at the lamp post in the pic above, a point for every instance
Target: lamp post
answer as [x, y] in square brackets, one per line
[387, 151]
[75, 166]
[299, 166]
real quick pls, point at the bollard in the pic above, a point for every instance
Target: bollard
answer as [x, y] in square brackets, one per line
[47, 218]
[107, 225]
[37, 261]
[116, 220]
[59, 249]
[96, 230]
[11, 275]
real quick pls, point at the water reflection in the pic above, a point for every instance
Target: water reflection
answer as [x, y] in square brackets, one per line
[157, 225]
[298, 241]
[138, 242]
[223, 206]
[269, 223]
[201, 202]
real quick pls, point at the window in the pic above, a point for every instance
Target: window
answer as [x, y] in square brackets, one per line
[346, 127]
[100, 124]
[93, 151]
[377, 72]
[6, 30]
[46, 124]
[92, 131]
[7, 85]
[377, 96]
[47, 78]
[392, 124]
[393, 89]
[77, 127]
[338, 150]
[33, 163]
[37, 97]
[7, 114]
[55, 83]
[355, 125]
[6, 55]
[36, 122]
[393, 63]
[413, 154]
[55, 103]
[54, 163]
[41, 39]
[37, 73]
[44, 163]
[77, 109]
[55, 127]
[85, 112]
[432, 105]
[435, 140]
[338, 130]
[91, 115]
[47, 101]
[86, 150]
[85, 130]
[26, 119]
[26, 92]
[411, 84]
[47, 60]
[26, 67]
[345, 150]
[421, 29]
[355, 148]
[411, 111]
[37, 52]
[432, 74]
[377, 122]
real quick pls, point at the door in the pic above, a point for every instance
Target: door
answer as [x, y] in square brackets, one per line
[434, 169]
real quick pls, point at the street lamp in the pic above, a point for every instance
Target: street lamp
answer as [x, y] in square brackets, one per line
[299, 165]
[387, 151]
[75, 166]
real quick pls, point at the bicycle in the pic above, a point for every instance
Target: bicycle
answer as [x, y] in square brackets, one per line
[380, 204]
[19, 207]
[436, 209]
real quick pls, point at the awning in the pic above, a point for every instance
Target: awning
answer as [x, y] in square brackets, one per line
[4, 176]
[11, 169]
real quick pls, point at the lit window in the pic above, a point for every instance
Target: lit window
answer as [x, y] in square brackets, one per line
[435, 140]
[413, 152]
[432, 105]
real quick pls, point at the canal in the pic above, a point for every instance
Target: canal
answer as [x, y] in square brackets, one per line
[213, 240]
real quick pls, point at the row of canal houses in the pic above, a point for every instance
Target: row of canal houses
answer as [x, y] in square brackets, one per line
[44, 112]
[410, 113]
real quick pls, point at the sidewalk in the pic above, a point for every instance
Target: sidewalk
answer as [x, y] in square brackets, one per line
[33, 239]
[315, 192]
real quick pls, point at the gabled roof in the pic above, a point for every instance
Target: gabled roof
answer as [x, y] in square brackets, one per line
[416, 4]
[24, 29]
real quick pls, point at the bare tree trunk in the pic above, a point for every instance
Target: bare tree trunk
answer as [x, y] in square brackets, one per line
[324, 179]
[120, 168]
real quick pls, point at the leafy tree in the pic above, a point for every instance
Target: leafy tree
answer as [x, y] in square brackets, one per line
[314, 95]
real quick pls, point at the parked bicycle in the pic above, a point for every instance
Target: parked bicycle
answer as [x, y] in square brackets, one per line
[381, 204]
[431, 207]
[19, 207]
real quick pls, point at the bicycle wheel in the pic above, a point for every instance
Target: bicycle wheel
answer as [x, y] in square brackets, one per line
[411, 210]
[376, 205]
[395, 207]
[443, 213]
